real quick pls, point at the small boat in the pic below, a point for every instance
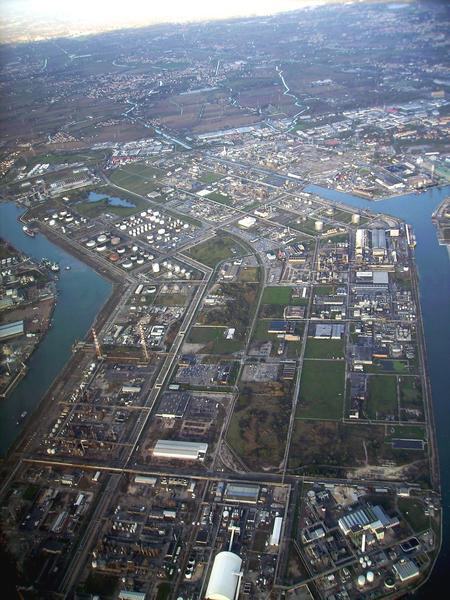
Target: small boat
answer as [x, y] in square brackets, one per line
[28, 231]
[22, 417]
[68, 268]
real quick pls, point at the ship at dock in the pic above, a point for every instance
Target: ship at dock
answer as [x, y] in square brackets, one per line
[410, 236]
[28, 231]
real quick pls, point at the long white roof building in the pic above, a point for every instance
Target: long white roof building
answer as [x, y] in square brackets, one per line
[180, 450]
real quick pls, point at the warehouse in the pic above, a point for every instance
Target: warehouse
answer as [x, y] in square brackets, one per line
[329, 331]
[246, 493]
[276, 531]
[378, 242]
[225, 577]
[180, 450]
[173, 405]
[10, 330]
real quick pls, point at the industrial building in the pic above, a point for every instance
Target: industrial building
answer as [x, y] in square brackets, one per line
[329, 331]
[130, 595]
[10, 330]
[225, 578]
[180, 450]
[276, 531]
[368, 518]
[173, 405]
[246, 493]
[406, 569]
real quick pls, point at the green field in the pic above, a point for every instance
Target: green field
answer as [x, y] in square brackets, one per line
[218, 197]
[324, 290]
[250, 274]
[209, 177]
[411, 393]
[407, 432]
[388, 366]
[321, 390]
[324, 348]
[307, 226]
[382, 396]
[277, 295]
[213, 340]
[413, 511]
[217, 249]
[171, 299]
[137, 177]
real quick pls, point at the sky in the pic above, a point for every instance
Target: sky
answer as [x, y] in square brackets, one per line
[102, 12]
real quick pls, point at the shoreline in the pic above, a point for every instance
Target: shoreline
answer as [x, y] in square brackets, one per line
[98, 321]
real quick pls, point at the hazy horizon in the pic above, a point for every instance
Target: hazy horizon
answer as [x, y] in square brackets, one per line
[33, 18]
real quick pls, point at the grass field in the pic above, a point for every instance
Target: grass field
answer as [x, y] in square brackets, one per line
[250, 274]
[324, 348]
[210, 177]
[411, 393]
[321, 390]
[213, 340]
[307, 226]
[276, 295]
[324, 290]
[171, 299]
[389, 366]
[215, 250]
[137, 177]
[408, 432]
[413, 511]
[382, 396]
[218, 197]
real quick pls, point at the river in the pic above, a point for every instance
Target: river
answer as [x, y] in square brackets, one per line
[81, 294]
[433, 266]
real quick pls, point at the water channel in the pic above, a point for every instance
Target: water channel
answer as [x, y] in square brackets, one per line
[81, 294]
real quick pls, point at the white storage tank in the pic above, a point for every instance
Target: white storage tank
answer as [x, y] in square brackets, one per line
[225, 577]
[318, 225]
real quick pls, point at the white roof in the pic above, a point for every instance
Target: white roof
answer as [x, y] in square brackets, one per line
[276, 532]
[180, 449]
[224, 577]
[129, 595]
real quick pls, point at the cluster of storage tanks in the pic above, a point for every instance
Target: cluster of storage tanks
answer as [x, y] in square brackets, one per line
[64, 218]
[369, 577]
[128, 256]
[155, 228]
[174, 270]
